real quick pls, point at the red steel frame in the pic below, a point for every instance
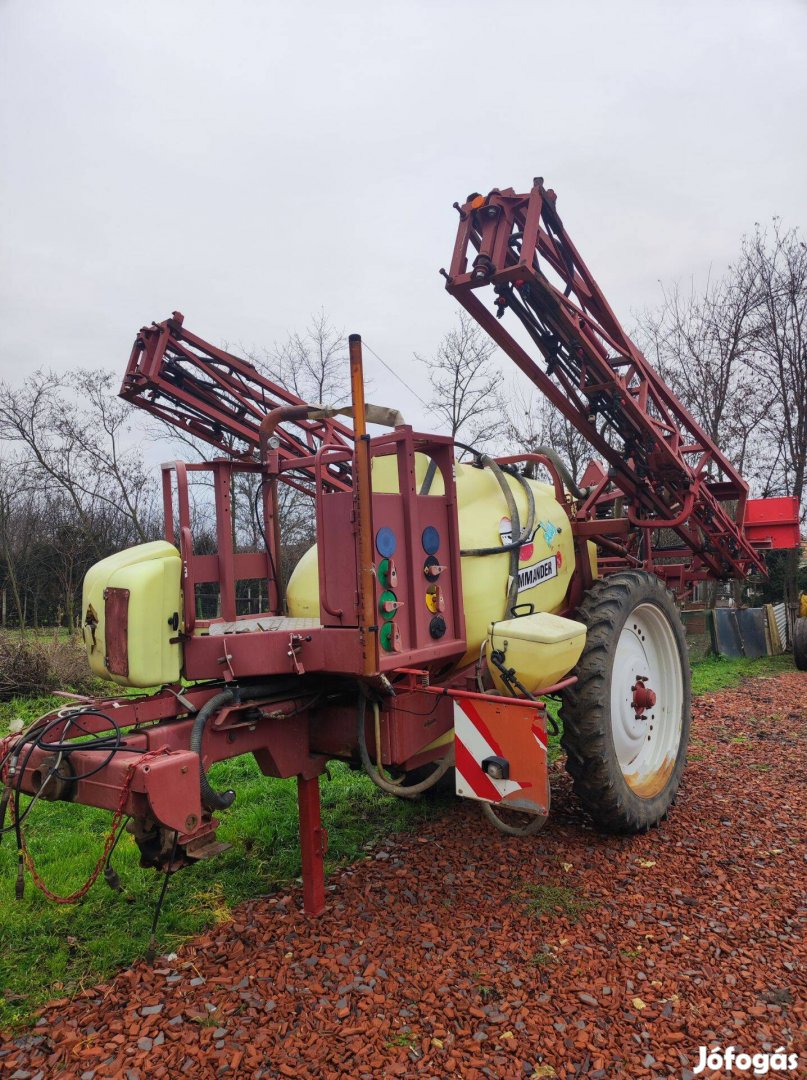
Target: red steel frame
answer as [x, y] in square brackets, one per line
[304, 678]
[662, 463]
[306, 711]
[222, 399]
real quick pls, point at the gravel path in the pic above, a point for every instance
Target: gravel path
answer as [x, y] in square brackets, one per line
[435, 959]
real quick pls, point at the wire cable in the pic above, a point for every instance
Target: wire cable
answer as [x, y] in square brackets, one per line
[262, 531]
[394, 374]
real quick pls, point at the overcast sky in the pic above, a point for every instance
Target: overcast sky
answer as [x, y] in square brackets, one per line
[250, 162]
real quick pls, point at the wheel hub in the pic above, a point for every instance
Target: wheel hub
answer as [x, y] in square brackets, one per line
[643, 696]
[646, 700]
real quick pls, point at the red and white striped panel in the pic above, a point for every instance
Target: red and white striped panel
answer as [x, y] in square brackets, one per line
[516, 732]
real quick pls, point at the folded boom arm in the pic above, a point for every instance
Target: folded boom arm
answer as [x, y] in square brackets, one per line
[221, 399]
[664, 466]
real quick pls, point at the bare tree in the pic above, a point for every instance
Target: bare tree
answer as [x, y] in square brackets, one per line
[312, 364]
[30, 417]
[74, 431]
[533, 422]
[701, 343]
[779, 260]
[736, 355]
[15, 533]
[101, 427]
[466, 384]
[74, 487]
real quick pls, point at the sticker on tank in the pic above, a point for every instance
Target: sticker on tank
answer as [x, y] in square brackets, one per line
[527, 550]
[537, 573]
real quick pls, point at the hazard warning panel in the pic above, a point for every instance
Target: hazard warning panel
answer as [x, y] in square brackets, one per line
[501, 753]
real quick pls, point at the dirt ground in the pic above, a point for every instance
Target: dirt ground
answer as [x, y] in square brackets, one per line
[440, 955]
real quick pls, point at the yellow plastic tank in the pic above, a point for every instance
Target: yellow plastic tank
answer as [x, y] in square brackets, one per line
[545, 564]
[132, 604]
[542, 648]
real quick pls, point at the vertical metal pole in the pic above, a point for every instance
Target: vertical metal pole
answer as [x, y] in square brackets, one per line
[313, 845]
[168, 506]
[368, 629]
[222, 474]
[271, 520]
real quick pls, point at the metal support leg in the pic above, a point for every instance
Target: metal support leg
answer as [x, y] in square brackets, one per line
[313, 845]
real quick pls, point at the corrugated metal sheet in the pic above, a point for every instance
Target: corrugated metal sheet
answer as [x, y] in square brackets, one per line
[780, 613]
[728, 640]
[775, 643]
[752, 625]
[741, 632]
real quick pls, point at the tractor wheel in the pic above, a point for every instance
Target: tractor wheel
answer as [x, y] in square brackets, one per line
[626, 719]
[800, 644]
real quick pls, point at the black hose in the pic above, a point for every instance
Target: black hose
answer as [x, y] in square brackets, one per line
[511, 681]
[565, 473]
[431, 472]
[512, 593]
[515, 520]
[533, 824]
[34, 739]
[411, 791]
[212, 799]
[99, 741]
[513, 546]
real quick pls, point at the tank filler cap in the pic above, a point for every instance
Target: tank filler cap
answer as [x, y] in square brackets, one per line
[386, 542]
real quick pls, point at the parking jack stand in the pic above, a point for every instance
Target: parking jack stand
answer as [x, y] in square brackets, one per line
[313, 845]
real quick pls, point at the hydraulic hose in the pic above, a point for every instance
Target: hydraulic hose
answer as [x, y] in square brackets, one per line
[563, 469]
[212, 799]
[411, 791]
[512, 592]
[512, 510]
[534, 823]
[514, 546]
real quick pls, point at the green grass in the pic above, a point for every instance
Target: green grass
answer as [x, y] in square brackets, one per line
[549, 899]
[403, 1038]
[545, 957]
[721, 673]
[49, 950]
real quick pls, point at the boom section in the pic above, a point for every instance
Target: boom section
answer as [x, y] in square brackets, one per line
[211, 395]
[669, 470]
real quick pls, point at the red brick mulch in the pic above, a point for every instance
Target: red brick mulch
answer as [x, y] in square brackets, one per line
[428, 961]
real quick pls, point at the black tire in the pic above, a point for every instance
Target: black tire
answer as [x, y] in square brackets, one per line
[800, 644]
[423, 772]
[588, 737]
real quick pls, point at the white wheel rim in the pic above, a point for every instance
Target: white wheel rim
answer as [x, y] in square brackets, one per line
[646, 742]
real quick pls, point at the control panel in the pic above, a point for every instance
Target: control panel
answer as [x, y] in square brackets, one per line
[418, 590]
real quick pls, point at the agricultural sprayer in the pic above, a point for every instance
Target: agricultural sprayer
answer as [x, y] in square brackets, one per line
[443, 602]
